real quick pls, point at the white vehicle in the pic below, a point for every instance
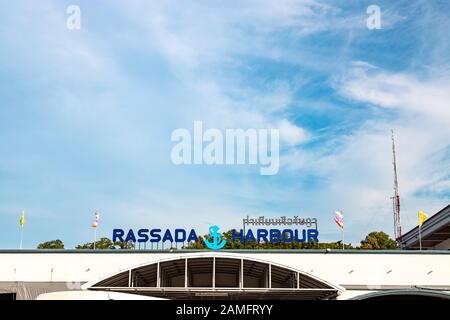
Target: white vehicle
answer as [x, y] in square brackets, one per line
[93, 295]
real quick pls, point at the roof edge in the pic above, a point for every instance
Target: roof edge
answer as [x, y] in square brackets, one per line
[262, 251]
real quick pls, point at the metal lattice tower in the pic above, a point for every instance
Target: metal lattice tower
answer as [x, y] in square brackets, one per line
[396, 198]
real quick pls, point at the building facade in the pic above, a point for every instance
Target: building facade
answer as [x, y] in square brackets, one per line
[239, 274]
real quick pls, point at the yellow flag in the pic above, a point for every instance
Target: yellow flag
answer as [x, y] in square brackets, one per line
[422, 218]
[22, 218]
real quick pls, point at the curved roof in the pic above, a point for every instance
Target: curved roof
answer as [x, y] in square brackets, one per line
[216, 275]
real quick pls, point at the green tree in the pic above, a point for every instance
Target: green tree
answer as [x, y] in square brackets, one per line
[378, 241]
[124, 245]
[52, 244]
[266, 245]
[103, 244]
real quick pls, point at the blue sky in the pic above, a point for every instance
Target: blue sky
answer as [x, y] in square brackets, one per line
[86, 115]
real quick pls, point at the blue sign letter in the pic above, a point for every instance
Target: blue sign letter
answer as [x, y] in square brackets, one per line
[313, 235]
[117, 235]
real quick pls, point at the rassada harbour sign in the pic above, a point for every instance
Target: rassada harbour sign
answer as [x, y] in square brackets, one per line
[271, 231]
[155, 235]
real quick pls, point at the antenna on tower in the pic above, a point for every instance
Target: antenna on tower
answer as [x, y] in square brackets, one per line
[396, 198]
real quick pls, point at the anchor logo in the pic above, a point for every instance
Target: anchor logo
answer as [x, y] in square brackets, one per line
[215, 245]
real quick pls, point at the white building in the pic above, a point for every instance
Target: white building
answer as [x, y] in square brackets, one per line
[237, 274]
[189, 274]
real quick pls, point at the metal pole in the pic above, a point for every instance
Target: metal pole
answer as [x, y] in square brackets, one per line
[21, 237]
[420, 240]
[95, 236]
[185, 273]
[343, 239]
[397, 224]
[395, 220]
[214, 273]
[270, 276]
[241, 273]
[158, 280]
[129, 278]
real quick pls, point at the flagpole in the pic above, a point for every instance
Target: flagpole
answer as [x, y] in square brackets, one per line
[343, 238]
[95, 236]
[21, 237]
[420, 239]
[22, 223]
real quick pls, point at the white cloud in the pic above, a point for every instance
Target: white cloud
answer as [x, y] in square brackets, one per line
[291, 134]
[203, 47]
[194, 35]
[430, 97]
[358, 167]
[38, 46]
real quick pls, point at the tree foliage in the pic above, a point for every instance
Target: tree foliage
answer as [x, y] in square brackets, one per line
[52, 244]
[102, 244]
[373, 241]
[124, 245]
[378, 241]
[200, 244]
[105, 244]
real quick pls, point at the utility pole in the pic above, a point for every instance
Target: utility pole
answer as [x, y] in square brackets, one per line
[396, 198]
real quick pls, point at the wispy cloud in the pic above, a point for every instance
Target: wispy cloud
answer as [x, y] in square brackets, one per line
[96, 108]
